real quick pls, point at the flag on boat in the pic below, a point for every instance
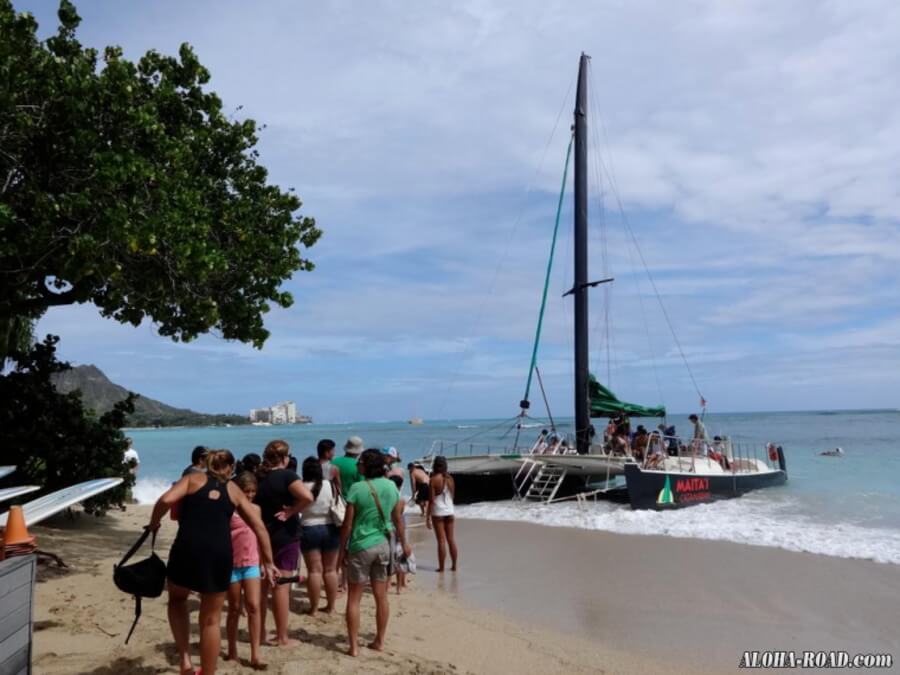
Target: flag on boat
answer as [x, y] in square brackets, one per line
[665, 495]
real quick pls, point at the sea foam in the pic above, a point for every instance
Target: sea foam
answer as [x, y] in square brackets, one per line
[748, 520]
[148, 490]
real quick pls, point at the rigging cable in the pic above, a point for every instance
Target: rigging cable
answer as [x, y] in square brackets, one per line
[540, 323]
[512, 235]
[630, 232]
[546, 402]
[630, 248]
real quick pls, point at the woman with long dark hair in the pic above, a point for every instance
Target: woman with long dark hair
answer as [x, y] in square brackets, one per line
[201, 556]
[441, 513]
[281, 497]
[319, 538]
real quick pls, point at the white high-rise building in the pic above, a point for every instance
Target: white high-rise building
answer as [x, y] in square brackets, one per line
[280, 413]
[284, 412]
[261, 415]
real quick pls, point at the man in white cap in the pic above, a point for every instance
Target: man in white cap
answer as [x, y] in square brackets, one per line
[346, 465]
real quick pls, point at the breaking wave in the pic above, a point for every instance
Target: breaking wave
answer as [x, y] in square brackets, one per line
[148, 490]
[748, 520]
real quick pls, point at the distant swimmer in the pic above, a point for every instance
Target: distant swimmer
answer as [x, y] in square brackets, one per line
[837, 452]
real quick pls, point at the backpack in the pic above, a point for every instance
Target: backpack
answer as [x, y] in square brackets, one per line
[143, 579]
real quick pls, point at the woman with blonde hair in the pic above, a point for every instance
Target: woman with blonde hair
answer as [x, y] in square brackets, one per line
[281, 497]
[201, 557]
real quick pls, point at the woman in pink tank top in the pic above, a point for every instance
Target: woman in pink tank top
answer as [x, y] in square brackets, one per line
[245, 578]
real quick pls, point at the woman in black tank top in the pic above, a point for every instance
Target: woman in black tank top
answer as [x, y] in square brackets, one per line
[200, 559]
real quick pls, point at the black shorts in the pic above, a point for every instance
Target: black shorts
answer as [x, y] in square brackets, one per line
[423, 493]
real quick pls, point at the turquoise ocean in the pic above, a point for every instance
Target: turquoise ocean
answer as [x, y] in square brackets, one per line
[847, 507]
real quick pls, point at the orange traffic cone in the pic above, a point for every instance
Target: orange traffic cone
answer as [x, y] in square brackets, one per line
[16, 533]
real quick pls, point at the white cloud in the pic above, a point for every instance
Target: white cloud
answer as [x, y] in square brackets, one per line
[755, 146]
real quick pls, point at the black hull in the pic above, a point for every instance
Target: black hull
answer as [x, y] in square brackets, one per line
[472, 488]
[647, 489]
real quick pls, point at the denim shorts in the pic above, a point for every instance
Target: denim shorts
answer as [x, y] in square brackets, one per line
[320, 538]
[241, 573]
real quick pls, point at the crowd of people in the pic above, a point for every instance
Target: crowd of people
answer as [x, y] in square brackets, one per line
[244, 525]
[651, 447]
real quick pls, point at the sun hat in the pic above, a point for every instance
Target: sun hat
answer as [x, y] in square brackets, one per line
[354, 445]
[390, 451]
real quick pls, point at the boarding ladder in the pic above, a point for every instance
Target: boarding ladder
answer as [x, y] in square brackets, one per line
[546, 482]
[536, 479]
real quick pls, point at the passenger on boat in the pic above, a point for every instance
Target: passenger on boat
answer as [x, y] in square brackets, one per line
[700, 437]
[716, 452]
[669, 436]
[656, 450]
[623, 426]
[620, 444]
[639, 443]
[610, 431]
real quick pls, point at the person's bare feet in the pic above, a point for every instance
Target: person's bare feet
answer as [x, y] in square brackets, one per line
[328, 610]
[258, 665]
[376, 645]
[231, 656]
[286, 642]
[353, 650]
[187, 668]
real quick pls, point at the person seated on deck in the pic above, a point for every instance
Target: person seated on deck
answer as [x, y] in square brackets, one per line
[639, 443]
[620, 445]
[668, 434]
[610, 431]
[550, 447]
[623, 426]
[540, 444]
[656, 450]
[716, 451]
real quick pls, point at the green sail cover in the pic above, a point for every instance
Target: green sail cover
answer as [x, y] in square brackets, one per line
[605, 404]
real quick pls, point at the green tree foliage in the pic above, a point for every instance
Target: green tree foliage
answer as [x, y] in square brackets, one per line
[125, 184]
[51, 438]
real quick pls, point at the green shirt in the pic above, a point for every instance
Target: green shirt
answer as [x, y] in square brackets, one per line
[349, 473]
[368, 525]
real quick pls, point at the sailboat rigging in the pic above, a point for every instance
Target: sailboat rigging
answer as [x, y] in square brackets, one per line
[553, 467]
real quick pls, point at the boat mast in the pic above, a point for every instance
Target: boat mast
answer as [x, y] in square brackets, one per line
[580, 289]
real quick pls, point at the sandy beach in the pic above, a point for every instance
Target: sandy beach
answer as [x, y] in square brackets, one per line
[527, 599]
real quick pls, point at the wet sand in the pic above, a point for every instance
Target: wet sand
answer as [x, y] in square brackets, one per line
[699, 603]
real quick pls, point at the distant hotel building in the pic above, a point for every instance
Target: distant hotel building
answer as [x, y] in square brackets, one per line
[280, 413]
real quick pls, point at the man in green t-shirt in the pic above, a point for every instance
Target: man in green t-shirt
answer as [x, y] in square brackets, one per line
[346, 465]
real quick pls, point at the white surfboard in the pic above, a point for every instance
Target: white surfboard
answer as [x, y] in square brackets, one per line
[18, 491]
[6, 470]
[48, 505]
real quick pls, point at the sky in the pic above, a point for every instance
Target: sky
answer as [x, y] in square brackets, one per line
[748, 152]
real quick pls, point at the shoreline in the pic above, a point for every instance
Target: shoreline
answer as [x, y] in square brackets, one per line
[81, 620]
[698, 603]
[527, 599]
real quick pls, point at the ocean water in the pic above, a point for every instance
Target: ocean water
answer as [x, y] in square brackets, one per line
[847, 507]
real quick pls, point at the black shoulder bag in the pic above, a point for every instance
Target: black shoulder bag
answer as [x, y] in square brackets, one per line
[143, 579]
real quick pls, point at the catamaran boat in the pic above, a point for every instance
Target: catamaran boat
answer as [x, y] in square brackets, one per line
[555, 467]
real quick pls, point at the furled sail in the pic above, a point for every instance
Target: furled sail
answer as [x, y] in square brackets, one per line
[605, 404]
